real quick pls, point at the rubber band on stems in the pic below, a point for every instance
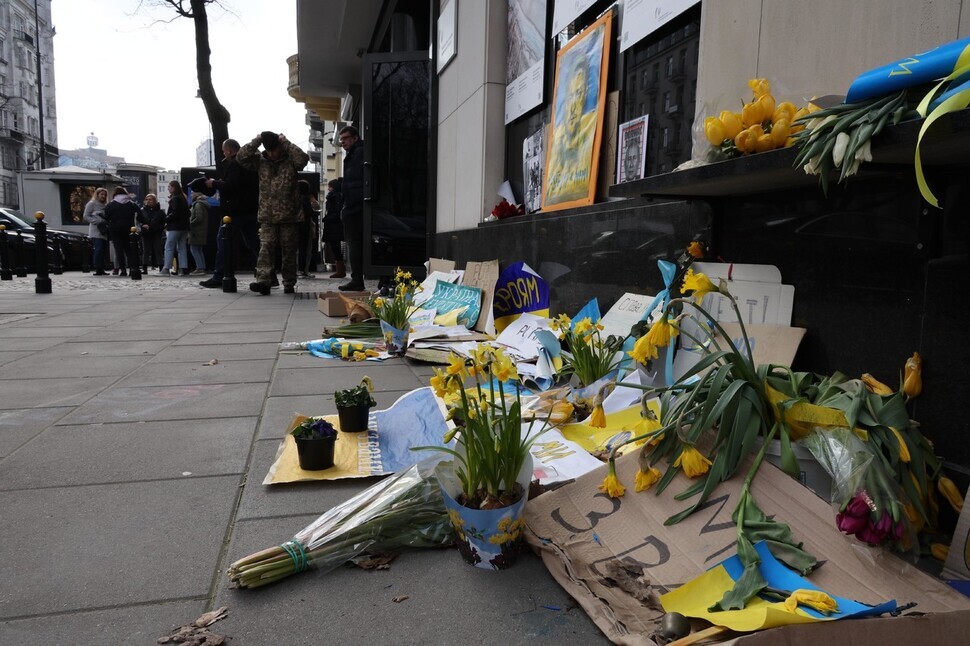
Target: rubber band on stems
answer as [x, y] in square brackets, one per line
[297, 554]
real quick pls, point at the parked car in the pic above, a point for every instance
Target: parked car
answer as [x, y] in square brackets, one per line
[21, 247]
[75, 247]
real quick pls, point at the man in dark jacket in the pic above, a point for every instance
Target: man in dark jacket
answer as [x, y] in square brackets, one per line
[152, 221]
[239, 199]
[279, 205]
[352, 215]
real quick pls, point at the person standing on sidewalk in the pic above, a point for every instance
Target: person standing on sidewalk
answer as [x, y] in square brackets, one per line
[198, 228]
[352, 214]
[333, 228]
[279, 205]
[177, 230]
[94, 216]
[308, 228]
[120, 214]
[152, 221]
[239, 199]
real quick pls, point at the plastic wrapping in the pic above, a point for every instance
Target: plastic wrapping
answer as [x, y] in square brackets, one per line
[869, 504]
[403, 511]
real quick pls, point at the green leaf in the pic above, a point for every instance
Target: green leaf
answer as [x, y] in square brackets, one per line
[788, 462]
[750, 584]
[794, 557]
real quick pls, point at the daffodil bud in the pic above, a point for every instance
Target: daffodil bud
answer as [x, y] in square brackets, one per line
[913, 376]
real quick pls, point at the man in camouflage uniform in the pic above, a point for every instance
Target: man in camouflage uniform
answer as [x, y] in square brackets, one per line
[279, 205]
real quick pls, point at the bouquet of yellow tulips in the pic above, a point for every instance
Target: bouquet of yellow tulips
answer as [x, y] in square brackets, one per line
[762, 124]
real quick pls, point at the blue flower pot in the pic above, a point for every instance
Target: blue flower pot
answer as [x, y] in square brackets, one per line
[395, 339]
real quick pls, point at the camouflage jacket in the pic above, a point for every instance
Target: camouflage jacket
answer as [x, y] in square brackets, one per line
[279, 200]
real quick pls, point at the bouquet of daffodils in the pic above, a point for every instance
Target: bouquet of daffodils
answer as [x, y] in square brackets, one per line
[587, 355]
[396, 308]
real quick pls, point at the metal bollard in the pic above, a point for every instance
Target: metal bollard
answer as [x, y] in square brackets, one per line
[5, 273]
[134, 254]
[228, 256]
[87, 256]
[56, 268]
[42, 283]
[20, 269]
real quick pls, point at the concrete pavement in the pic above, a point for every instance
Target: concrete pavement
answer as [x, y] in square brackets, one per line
[130, 471]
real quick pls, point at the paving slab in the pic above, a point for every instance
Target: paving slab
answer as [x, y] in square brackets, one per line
[160, 331]
[9, 357]
[18, 343]
[27, 329]
[93, 547]
[50, 362]
[84, 347]
[309, 381]
[128, 625]
[193, 402]
[106, 453]
[74, 319]
[278, 411]
[200, 372]
[206, 338]
[226, 351]
[236, 328]
[521, 605]
[18, 426]
[262, 501]
[45, 393]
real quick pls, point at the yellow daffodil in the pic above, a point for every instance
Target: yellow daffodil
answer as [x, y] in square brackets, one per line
[696, 249]
[583, 326]
[561, 322]
[643, 350]
[456, 365]
[903, 448]
[647, 425]
[504, 368]
[647, 480]
[598, 417]
[439, 383]
[700, 284]
[378, 302]
[612, 486]
[815, 599]
[913, 376]
[367, 382]
[693, 462]
[662, 331]
[876, 386]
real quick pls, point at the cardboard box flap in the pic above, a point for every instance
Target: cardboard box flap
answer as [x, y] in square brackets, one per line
[583, 534]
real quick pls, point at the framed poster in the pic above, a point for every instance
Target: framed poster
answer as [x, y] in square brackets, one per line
[526, 57]
[579, 97]
[447, 30]
[631, 157]
[532, 171]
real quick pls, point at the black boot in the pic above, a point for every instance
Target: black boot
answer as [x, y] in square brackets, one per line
[352, 286]
[260, 288]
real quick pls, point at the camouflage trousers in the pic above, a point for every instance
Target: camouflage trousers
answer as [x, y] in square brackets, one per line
[286, 237]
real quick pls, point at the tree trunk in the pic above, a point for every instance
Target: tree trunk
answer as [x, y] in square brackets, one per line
[217, 114]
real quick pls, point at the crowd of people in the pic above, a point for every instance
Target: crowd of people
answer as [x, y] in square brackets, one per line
[275, 215]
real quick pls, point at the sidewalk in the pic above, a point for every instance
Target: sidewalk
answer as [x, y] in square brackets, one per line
[130, 473]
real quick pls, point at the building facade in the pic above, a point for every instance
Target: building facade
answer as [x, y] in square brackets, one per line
[28, 115]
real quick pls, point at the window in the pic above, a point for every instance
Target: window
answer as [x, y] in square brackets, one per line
[683, 60]
[656, 72]
[645, 80]
[666, 103]
[664, 133]
[670, 66]
[9, 158]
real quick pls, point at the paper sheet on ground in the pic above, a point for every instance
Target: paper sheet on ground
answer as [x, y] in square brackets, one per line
[620, 426]
[519, 336]
[428, 284]
[415, 419]
[556, 459]
[695, 597]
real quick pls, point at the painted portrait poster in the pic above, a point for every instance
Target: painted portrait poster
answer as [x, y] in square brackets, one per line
[632, 153]
[577, 118]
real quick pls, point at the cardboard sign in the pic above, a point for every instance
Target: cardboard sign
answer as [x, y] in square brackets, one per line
[626, 311]
[519, 289]
[775, 344]
[612, 554]
[483, 276]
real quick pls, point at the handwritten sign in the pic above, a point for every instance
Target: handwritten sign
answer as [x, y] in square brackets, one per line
[627, 310]
[448, 298]
[519, 290]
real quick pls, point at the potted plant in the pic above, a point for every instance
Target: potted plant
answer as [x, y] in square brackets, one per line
[394, 310]
[591, 361]
[353, 406]
[485, 486]
[315, 440]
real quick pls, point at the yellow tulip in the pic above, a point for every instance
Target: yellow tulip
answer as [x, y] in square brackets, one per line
[714, 131]
[747, 139]
[913, 376]
[760, 87]
[647, 479]
[815, 599]
[766, 103]
[751, 114]
[940, 551]
[949, 490]
[732, 123]
[785, 110]
[764, 143]
[903, 448]
[873, 385]
[780, 130]
[915, 518]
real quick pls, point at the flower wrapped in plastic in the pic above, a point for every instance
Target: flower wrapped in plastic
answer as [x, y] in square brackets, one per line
[402, 512]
